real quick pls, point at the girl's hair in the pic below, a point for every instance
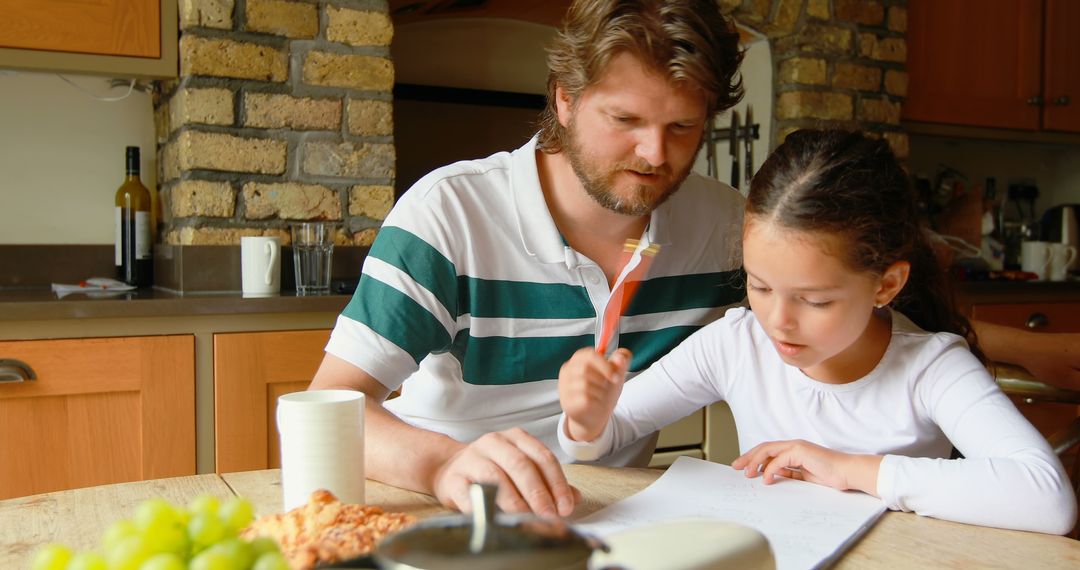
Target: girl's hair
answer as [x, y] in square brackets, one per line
[850, 186]
[684, 40]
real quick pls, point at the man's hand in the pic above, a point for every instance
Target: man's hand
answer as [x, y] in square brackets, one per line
[1053, 358]
[529, 476]
[797, 459]
[589, 387]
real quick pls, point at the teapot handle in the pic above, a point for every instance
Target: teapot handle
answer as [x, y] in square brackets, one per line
[482, 497]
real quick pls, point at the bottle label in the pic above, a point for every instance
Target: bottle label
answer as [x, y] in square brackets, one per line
[142, 235]
[138, 239]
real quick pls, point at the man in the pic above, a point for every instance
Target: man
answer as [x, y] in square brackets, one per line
[489, 274]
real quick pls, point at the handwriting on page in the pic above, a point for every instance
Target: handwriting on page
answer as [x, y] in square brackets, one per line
[807, 525]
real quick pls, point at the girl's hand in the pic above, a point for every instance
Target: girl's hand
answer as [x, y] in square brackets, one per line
[589, 387]
[797, 459]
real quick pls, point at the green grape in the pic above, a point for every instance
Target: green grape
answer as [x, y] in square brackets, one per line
[237, 551]
[205, 529]
[165, 561]
[263, 544]
[204, 504]
[51, 557]
[271, 561]
[211, 560]
[116, 532]
[237, 512]
[87, 561]
[166, 539]
[154, 513]
[129, 554]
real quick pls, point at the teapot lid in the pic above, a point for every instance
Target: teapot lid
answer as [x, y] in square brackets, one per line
[485, 539]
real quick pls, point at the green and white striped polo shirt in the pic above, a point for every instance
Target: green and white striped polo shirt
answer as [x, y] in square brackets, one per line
[470, 300]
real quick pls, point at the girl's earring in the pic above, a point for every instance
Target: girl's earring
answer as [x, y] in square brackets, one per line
[879, 305]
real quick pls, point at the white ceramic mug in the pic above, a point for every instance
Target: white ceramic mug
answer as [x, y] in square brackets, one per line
[260, 261]
[322, 445]
[1035, 257]
[1061, 256]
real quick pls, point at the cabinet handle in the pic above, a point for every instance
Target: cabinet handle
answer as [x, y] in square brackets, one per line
[1036, 101]
[1063, 100]
[12, 371]
[1037, 321]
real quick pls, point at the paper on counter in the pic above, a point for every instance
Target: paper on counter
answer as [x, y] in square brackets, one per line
[94, 286]
[807, 525]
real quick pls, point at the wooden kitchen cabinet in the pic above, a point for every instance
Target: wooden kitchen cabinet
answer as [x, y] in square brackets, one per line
[1011, 64]
[252, 369]
[100, 410]
[120, 38]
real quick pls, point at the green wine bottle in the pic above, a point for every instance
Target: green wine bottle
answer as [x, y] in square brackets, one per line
[134, 249]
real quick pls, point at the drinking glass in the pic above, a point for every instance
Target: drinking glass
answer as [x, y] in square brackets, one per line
[313, 249]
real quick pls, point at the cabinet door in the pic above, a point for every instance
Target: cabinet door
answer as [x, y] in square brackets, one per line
[250, 371]
[972, 62]
[102, 410]
[105, 27]
[1062, 66]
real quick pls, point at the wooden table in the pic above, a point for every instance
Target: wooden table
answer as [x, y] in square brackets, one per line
[899, 540]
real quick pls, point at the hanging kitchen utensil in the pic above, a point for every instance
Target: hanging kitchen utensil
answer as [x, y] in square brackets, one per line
[748, 140]
[711, 167]
[733, 148]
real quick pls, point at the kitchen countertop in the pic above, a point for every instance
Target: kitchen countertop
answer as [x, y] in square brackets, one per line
[976, 292]
[40, 303]
[43, 304]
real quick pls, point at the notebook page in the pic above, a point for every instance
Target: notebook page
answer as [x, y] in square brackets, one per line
[807, 525]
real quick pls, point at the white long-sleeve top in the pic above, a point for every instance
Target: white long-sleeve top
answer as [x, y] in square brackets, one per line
[928, 394]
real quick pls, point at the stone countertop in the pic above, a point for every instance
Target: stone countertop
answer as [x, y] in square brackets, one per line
[43, 304]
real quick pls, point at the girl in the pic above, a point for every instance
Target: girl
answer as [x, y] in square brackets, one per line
[852, 371]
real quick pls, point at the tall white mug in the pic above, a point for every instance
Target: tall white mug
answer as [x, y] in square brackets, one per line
[1035, 257]
[260, 265]
[1061, 257]
[322, 445]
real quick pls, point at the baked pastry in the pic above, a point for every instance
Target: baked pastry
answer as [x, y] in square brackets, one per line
[325, 530]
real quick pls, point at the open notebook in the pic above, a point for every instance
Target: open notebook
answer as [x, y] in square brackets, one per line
[807, 525]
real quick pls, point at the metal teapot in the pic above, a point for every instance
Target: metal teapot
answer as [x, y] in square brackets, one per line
[482, 540]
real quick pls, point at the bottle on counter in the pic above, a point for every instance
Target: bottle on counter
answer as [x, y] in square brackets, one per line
[134, 261]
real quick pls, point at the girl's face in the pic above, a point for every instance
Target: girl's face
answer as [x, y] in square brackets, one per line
[817, 311]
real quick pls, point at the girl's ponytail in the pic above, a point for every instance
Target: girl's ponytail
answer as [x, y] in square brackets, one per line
[929, 300]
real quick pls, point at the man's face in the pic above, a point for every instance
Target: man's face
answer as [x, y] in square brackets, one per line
[633, 136]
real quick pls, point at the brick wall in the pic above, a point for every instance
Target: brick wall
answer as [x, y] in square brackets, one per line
[281, 113]
[283, 109]
[837, 63]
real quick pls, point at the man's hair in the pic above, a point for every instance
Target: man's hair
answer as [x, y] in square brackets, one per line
[684, 40]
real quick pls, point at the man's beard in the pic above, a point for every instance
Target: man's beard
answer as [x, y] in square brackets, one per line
[599, 181]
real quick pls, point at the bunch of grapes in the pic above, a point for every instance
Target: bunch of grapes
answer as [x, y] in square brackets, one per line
[203, 536]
